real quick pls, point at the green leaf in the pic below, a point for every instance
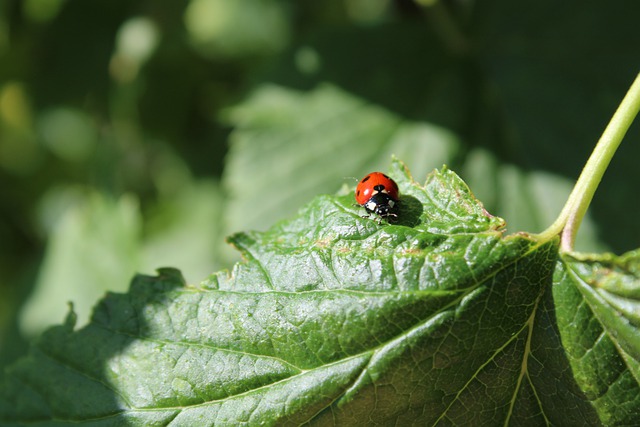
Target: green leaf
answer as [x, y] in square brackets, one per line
[598, 306]
[172, 227]
[331, 319]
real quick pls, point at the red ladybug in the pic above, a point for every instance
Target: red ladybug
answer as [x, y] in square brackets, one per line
[378, 194]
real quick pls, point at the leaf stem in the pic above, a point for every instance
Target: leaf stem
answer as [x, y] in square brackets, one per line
[573, 212]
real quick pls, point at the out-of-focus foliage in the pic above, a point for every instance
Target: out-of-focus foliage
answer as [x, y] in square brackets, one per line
[136, 135]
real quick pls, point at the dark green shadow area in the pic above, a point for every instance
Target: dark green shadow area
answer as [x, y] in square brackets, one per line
[409, 211]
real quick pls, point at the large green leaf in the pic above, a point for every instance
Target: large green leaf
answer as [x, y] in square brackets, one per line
[333, 319]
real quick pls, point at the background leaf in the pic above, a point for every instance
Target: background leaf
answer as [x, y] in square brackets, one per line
[111, 254]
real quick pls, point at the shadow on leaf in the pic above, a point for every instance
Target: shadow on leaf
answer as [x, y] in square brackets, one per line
[409, 211]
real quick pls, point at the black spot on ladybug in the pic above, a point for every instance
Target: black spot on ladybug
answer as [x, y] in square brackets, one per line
[366, 178]
[358, 193]
[379, 187]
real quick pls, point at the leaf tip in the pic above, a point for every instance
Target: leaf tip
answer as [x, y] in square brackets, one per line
[171, 273]
[71, 318]
[399, 169]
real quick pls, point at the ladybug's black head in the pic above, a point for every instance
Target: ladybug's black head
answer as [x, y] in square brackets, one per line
[381, 204]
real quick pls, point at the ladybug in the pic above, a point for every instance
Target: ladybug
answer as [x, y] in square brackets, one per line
[378, 194]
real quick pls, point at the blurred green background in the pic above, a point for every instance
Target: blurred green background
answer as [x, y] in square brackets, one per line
[138, 134]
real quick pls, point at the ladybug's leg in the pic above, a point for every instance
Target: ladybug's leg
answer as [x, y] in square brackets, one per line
[368, 215]
[389, 217]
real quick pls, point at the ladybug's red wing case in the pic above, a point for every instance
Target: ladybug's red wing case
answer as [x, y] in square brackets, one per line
[370, 185]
